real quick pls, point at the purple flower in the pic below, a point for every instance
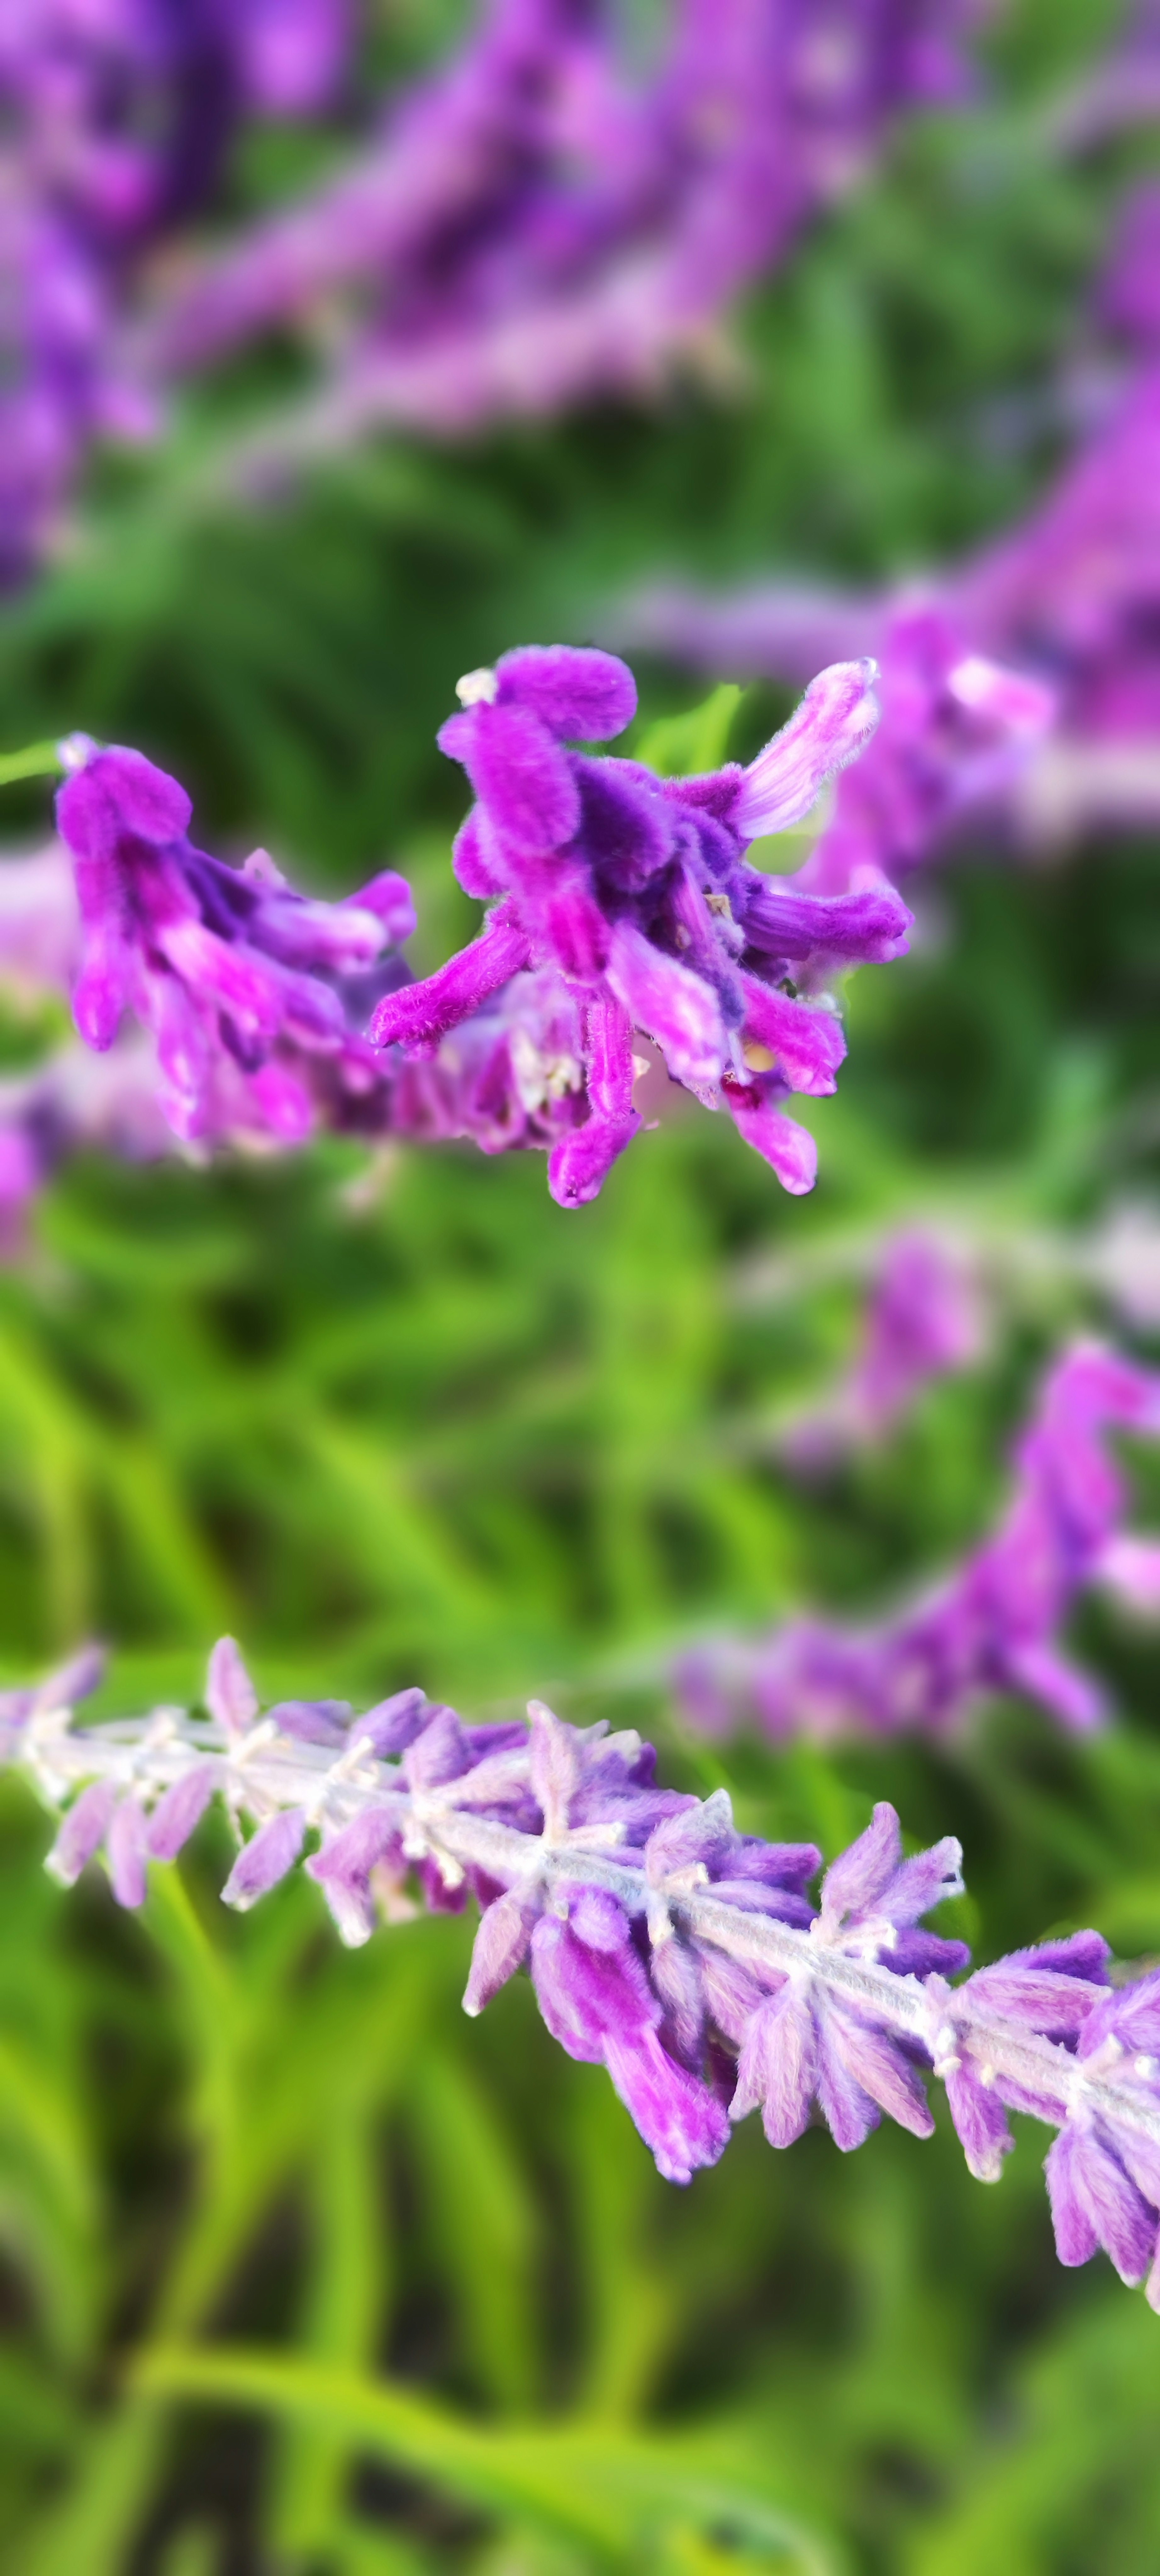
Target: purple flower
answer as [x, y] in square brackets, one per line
[995, 1624]
[238, 978]
[628, 899]
[921, 1320]
[661, 1943]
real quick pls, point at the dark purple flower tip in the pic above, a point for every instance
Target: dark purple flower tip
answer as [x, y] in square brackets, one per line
[627, 828]
[116, 792]
[580, 694]
[272, 1851]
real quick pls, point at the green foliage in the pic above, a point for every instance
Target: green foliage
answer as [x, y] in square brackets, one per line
[300, 2272]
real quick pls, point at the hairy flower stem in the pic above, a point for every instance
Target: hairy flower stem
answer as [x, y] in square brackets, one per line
[279, 1775]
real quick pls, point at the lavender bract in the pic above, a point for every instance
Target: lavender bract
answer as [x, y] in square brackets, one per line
[687, 1958]
[630, 901]
[995, 1624]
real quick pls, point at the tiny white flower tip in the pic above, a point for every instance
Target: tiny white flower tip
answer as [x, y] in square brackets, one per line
[75, 750]
[477, 688]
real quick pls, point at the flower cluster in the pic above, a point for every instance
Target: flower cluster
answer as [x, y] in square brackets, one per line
[1024, 682]
[687, 1957]
[532, 225]
[239, 979]
[633, 897]
[116, 117]
[994, 1624]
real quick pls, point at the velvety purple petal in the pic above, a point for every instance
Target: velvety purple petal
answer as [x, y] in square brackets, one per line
[519, 773]
[343, 1867]
[120, 791]
[312, 1721]
[230, 1695]
[854, 1882]
[627, 832]
[101, 990]
[980, 2120]
[677, 2116]
[75, 1680]
[439, 1752]
[578, 693]
[265, 1859]
[126, 1847]
[1128, 2013]
[579, 1164]
[83, 1831]
[808, 1043]
[389, 897]
[1076, 2237]
[420, 1013]
[585, 1993]
[922, 1882]
[778, 2066]
[836, 718]
[671, 1004]
[870, 927]
[394, 1723]
[703, 1833]
[876, 2062]
[477, 858]
[180, 1810]
[849, 2110]
[501, 1946]
[1071, 1695]
[1121, 2219]
[1046, 1996]
[790, 1150]
[554, 1762]
[675, 1969]
[732, 1993]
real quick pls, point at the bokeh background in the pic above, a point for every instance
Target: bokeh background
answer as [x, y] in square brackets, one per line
[406, 1420]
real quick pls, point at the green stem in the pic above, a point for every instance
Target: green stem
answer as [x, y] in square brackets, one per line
[38, 760]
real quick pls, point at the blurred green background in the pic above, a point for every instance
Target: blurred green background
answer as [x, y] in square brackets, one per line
[301, 2274]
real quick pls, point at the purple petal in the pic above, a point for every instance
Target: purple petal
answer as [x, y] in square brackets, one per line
[677, 2115]
[117, 792]
[439, 1752]
[980, 2120]
[1076, 2238]
[501, 1946]
[1116, 2214]
[585, 1992]
[671, 1004]
[394, 1723]
[703, 1833]
[578, 693]
[849, 2109]
[675, 1969]
[579, 1164]
[420, 1013]
[312, 1721]
[870, 928]
[75, 1680]
[922, 1882]
[778, 2066]
[180, 1810]
[230, 1695]
[1071, 1695]
[265, 1859]
[83, 1831]
[343, 1867]
[520, 774]
[126, 1846]
[808, 1042]
[554, 1767]
[627, 831]
[876, 2062]
[835, 720]
[854, 1882]
[789, 1149]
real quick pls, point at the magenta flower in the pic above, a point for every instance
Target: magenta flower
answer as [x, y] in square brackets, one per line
[993, 1625]
[632, 895]
[922, 1319]
[238, 978]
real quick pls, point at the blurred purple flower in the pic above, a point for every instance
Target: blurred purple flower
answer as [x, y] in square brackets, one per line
[922, 1319]
[627, 902]
[237, 977]
[995, 1624]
